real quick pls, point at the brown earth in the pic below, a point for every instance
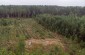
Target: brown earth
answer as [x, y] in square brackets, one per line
[46, 42]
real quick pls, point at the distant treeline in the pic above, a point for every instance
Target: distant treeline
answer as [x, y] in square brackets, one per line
[29, 11]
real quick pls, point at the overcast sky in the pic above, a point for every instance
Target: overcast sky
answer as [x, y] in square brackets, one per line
[44, 2]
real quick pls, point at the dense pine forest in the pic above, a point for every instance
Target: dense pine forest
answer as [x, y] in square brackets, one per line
[42, 30]
[29, 11]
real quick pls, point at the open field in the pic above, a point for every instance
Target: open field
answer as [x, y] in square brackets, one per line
[27, 34]
[29, 37]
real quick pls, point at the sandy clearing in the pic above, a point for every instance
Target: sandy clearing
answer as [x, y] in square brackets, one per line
[44, 42]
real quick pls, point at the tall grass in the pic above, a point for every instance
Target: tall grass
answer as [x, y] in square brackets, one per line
[14, 32]
[67, 25]
[70, 26]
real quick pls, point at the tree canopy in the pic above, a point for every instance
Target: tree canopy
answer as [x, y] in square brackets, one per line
[32, 10]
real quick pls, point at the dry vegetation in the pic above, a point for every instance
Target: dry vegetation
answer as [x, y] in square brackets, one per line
[42, 30]
[25, 36]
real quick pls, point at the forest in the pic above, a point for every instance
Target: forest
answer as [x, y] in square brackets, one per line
[42, 30]
[29, 11]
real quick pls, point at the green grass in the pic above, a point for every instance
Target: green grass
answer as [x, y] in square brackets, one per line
[67, 25]
[71, 26]
[14, 32]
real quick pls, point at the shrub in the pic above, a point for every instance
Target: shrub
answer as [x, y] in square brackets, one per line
[66, 25]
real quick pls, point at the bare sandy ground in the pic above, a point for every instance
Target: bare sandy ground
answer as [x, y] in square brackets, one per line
[44, 42]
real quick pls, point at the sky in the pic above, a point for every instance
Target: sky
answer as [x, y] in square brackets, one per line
[44, 2]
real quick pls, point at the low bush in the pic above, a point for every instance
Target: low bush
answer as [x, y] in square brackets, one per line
[67, 25]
